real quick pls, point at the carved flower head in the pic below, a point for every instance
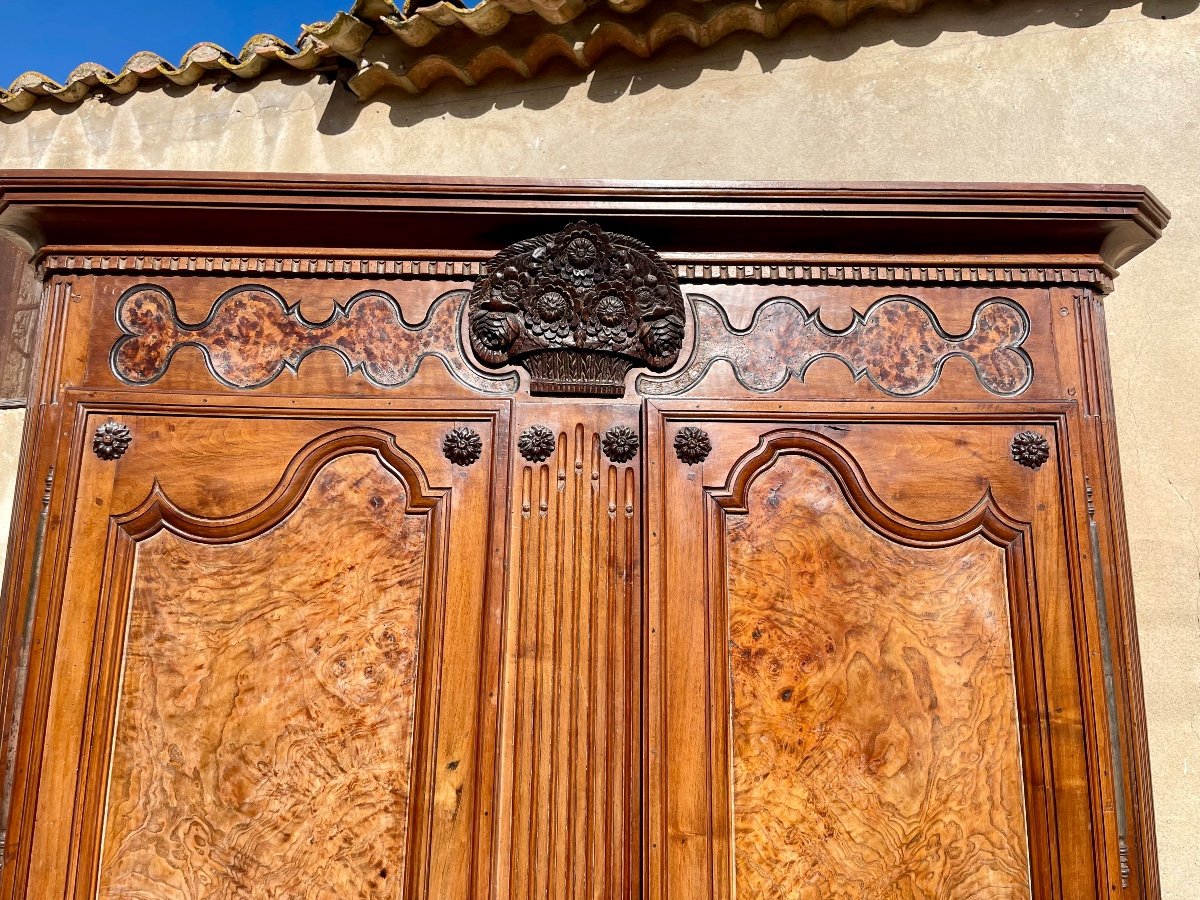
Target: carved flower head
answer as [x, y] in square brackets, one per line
[507, 288]
[462, 446]
[651, 296]
[692, 445]
[1030, 449]
[111, 440]
[620, 443]
[610, 318]
[581, 254]
[536, 443]
[549, 313]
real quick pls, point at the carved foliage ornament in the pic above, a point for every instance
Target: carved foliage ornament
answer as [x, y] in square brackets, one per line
[578, 309]
[462, 446]
[1030, 449]
[620, 443]
[111, 440]
[536, 443]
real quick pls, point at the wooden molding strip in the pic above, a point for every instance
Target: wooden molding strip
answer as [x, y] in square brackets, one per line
[1099, 277]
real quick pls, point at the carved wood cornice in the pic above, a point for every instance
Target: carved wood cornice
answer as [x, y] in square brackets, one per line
[690, 269]
[809, 227]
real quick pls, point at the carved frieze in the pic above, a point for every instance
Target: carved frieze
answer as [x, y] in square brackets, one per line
[699, 270]
[252, 335]
[897, 344]
[577, 309]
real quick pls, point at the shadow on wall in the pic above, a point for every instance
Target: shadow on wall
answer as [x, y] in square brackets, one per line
[676, 65]
[680, 64]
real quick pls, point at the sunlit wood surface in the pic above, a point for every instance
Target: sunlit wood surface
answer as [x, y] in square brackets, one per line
[265, 724]
[875, 745]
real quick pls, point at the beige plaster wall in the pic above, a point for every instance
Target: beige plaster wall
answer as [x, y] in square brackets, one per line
[1020, 91]
[11, 423]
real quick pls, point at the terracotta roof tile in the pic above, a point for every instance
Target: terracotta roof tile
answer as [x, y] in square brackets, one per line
[411, 48]
[344, 35]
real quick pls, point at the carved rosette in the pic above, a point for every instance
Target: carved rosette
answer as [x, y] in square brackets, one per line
[462, 446]
[536, 443]
[692, 445]
[578, 309]
[620, 443]
[111, 440]
[1030, 449]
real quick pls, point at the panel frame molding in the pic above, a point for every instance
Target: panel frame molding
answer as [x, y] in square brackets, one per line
[984, 519]
[726, 494]
[157, 511]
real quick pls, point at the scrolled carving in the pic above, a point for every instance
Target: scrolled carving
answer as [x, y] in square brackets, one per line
[462, 446]
[252, 335]
[111, 440]
[578, 309]
[1030, 449]
[898, 345]
[536, 443]
[692, 445]
[620, 443]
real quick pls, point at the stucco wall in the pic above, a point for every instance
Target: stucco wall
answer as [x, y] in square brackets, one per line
[1020, 91]
[11, 423]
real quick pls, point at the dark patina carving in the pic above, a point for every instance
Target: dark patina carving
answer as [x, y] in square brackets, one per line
[462, 445]
[111, 440]
[578, 309]
[620, 443]
[692, 445]
[1030, 449]
[536, 443]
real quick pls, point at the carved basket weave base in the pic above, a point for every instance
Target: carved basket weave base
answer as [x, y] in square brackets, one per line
[577, 372]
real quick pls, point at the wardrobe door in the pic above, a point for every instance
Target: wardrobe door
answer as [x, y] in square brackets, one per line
[276, 660]
[862, 677]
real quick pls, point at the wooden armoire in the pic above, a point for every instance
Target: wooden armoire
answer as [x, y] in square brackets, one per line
[492, 540]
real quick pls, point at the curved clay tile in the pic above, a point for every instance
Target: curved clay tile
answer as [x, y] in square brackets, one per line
[520, 36]
[586, 39]
[343, 36]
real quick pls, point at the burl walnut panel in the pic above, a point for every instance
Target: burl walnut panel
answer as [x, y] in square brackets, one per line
[265, 723]
[874, 726]
[252, 334]
[898, 345]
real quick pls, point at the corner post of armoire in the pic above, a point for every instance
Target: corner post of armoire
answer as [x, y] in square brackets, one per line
[1120, 653]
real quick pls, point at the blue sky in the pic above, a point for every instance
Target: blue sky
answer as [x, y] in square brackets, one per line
[54, 36]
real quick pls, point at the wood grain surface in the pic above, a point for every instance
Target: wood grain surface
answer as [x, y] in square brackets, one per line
[252, 334]
[897, 344]
[265, 731]
[875, 742]
[575, 666]
[569, 737]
